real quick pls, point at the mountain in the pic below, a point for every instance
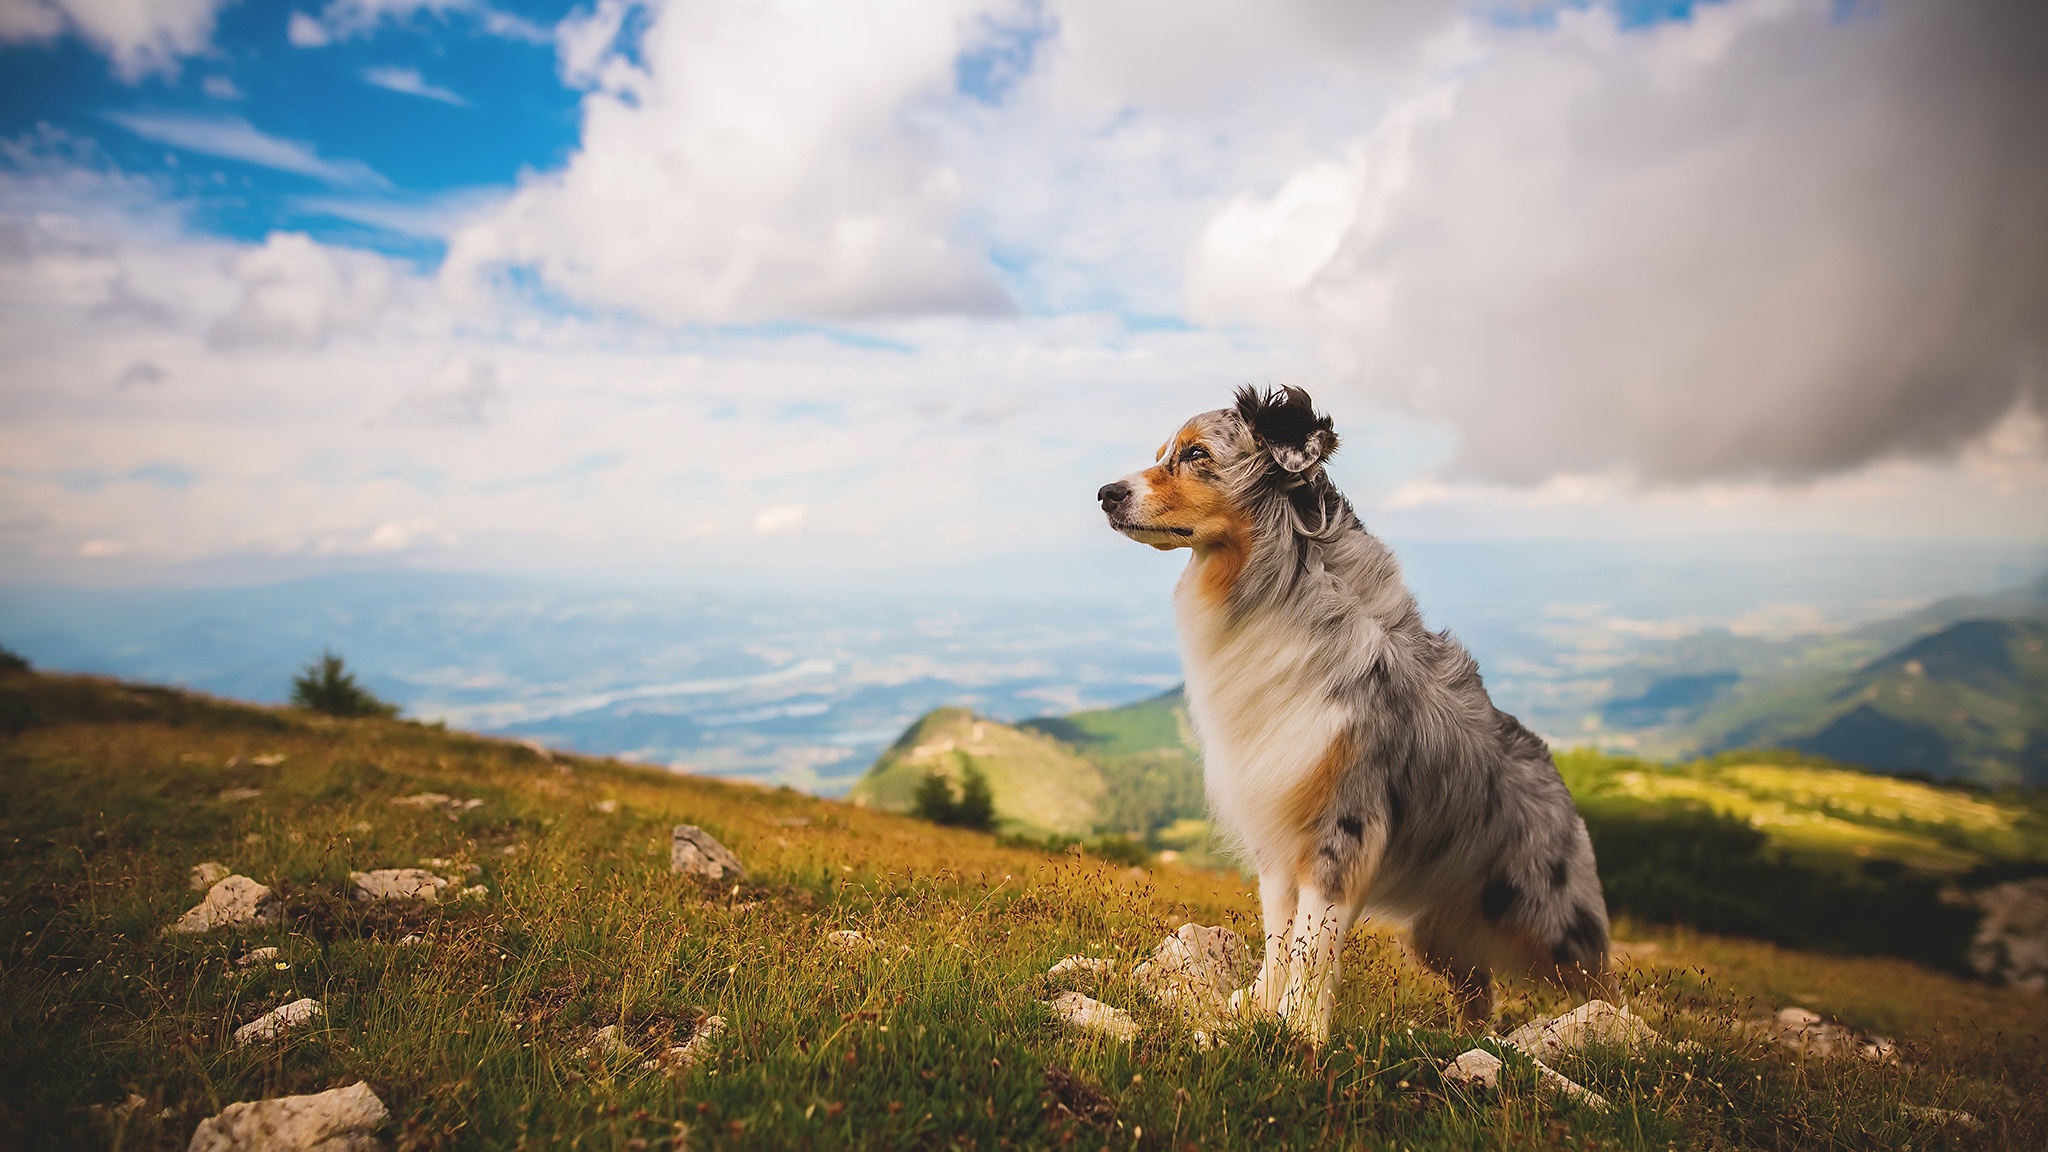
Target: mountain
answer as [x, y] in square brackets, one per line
[1955, 690]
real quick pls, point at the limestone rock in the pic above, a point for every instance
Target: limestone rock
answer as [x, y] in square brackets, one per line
[255, 956]
[606, 1044]
[1084, 965]
[232, 902]
[206, 875]
[423, 800]
[1803, 1031]
[849, 939]
[1196, 969]
[396, 884]
[1596, 1022]
[2012, 939]
[695, 852]
[1477, 1068]
[338, 1120]
[1091, 1015]
[278, 1021]
[231, 795]
[678, 1059]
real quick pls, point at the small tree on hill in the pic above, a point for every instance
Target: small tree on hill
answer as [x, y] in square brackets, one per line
[11, 662]
[326, 685]
[977, 806]
[974, 808]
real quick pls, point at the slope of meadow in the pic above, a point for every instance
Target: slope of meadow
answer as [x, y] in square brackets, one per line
[931, 1035]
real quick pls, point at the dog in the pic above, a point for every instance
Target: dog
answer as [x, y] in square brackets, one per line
[1351, 755]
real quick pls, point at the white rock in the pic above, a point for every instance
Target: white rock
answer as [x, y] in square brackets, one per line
[474, 892]
[278, 1021]
[605, 1043]
[1805, 1032]
[849, 939]
[680, 1058]
[1196, 969]
[339, 1120]
[232, 902]
[1477, 1068]
[206, 875]
[410, 939]
[396, 884]
[1596, 1022]
[606, 806]
[267, 760]
[695, 852]
[1087, 965]
[1940, 1115]
[231, 795]
[1091, 1015]
[255, 956]
[423, 800]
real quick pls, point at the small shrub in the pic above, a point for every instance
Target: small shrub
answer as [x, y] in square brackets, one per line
[326, 685]
[975, 807]
[12, 663]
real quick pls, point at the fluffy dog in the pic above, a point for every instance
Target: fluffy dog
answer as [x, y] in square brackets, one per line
[1352, 754]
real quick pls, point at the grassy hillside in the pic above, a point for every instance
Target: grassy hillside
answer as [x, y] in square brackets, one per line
[932, 1035]
[1041, 786]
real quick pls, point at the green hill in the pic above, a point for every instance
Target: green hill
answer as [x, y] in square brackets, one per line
[1041, 786]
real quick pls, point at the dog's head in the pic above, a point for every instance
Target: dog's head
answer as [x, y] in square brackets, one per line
[1213, 475]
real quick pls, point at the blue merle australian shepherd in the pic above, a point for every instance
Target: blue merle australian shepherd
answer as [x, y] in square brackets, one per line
[1352, 754]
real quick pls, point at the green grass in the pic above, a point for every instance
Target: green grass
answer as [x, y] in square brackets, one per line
[935, 1038]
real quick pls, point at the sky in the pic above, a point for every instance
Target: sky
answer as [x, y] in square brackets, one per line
[747, 290]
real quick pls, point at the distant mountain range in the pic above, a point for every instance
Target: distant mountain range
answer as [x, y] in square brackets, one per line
[1956, 690]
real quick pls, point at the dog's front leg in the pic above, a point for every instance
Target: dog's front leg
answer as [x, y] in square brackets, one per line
[1309, 997]
[1277, 899]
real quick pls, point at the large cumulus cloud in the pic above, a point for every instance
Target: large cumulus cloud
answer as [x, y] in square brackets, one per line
[1782, 239]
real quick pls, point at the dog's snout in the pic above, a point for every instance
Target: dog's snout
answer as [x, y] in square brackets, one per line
[1113, 495]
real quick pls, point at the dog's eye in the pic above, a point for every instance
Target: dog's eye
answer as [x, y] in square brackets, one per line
[1194, 452]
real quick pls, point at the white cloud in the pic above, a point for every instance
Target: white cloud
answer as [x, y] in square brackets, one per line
[354, 19]
[220, 87]
[411, 83]
[750, 162]
[1767, 242]
[140, 37]
[782, 519]
[233, 138]
[298, 293]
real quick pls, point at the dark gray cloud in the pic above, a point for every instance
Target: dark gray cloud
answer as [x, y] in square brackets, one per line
[1775, 242]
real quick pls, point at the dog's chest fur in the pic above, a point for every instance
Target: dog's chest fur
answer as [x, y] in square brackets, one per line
[1258, 694]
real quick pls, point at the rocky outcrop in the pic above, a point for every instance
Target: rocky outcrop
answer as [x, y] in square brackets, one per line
[338, 1120]
[396, 884]
[695, 852]
[2011, 945]
[1596, 1023]
[1805, 1032]
[204, 876]
[1196, 969]
[232, 902]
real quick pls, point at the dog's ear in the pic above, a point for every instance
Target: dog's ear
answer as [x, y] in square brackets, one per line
[1286, 424]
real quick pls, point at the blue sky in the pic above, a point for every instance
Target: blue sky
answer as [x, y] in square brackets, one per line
[724, 287]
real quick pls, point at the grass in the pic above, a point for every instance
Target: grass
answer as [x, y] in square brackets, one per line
[934, 1037]
[1825, 814]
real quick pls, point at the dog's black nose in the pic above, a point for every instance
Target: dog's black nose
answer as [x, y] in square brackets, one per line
[1112, 495]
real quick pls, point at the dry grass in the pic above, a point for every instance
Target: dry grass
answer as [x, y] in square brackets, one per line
[934, 1036]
